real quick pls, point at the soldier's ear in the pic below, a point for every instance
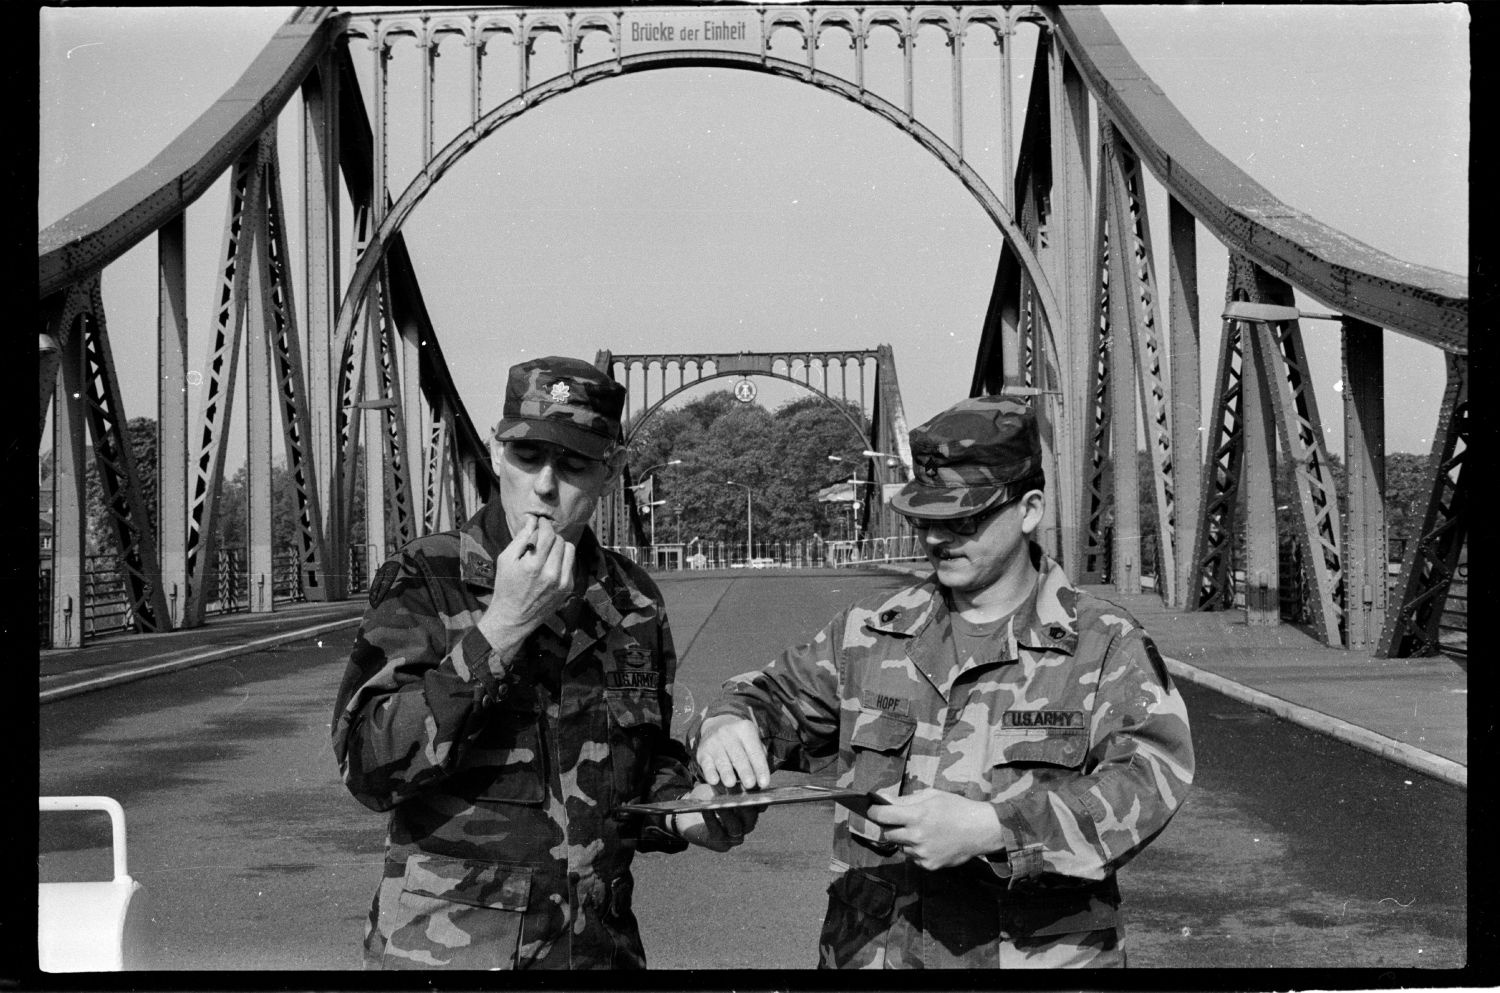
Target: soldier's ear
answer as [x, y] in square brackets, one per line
[1033, 509]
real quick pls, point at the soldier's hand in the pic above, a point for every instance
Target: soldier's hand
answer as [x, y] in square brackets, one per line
[533, 579]
[937, 829]
[716, 830]
[730, 753]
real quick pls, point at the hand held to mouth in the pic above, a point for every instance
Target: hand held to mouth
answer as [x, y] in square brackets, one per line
[533, 579]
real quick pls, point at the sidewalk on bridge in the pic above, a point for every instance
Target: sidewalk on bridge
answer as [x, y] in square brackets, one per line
[1412, 711]
[118, 658]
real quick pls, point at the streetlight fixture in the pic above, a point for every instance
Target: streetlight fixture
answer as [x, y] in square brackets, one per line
[749, 522]
[646, 476]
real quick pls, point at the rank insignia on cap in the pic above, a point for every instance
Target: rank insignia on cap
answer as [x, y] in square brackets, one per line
[560, 392]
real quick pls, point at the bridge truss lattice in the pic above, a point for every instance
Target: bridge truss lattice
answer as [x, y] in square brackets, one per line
[1078, 320]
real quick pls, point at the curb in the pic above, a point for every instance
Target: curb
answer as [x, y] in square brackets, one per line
[1399, 752]
[188, 661]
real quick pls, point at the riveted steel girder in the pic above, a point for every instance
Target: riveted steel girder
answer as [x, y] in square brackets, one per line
[92, 380]
[1132, 229]
[1281, 355]
[218, 394]
[1213, 545]
[1432, 559]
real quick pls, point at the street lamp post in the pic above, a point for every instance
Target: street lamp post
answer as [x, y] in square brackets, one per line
[645, 478]
[652, 508]
[749, 523]
[854, 498]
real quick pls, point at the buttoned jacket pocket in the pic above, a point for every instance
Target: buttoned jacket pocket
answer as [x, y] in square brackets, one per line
[457, 914]
[634, 725]
[1050, 755]
[507, 762]
[881, 744]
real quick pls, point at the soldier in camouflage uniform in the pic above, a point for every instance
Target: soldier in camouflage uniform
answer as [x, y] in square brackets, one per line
[1026, 733]
[510, 684]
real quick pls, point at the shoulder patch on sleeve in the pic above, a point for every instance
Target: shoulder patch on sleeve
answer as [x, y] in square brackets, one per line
[381, 584]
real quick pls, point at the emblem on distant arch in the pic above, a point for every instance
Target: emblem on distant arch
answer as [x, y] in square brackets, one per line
[560, 392]
[744, 391]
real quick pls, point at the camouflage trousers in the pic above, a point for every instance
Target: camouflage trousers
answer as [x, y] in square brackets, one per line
[901, 917]
[433, 912]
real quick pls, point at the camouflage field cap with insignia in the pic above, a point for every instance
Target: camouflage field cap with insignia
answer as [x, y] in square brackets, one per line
[564, 401]
[968, 458]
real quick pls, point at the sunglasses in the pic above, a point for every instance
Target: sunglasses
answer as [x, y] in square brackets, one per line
[961, 526]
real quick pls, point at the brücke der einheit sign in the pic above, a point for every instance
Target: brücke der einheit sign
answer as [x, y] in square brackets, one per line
[678, 30]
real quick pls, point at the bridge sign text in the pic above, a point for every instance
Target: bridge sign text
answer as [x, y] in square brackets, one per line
[677, 30]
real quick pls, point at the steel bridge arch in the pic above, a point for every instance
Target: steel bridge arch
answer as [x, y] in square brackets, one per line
[645, 415]
[400, 211]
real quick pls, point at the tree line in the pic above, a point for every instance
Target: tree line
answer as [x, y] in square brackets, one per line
[782, 456]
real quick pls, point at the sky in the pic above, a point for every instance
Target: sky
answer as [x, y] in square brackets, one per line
[719, 210]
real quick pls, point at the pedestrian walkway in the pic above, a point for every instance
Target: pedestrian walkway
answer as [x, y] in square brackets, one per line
[121, 658]
[1413, 711]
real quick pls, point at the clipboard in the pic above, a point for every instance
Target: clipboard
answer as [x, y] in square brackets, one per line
[858, 801]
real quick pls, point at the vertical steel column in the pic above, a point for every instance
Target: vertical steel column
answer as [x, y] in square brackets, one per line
[427, 51]
[172, 413]
[416, 454]
[1067, 261]
[321, 237]
[258, 533]
[908, 39]
[1364, 458]
[956, 43]
[1007, 117]
[476, 76]
[1187, 392]
[1098, 450]
[1125, 527]
[1262, 553]
[1138, 295]
[377, 441]
[859, 58]
[69, 494]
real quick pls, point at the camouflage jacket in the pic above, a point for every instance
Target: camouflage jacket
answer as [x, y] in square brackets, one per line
[1071, 727]
[500, 778]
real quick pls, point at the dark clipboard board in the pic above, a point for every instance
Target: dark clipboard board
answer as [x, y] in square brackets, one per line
[858, 801]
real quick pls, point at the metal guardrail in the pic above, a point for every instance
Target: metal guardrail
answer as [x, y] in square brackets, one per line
[106, 601]
[814, 553]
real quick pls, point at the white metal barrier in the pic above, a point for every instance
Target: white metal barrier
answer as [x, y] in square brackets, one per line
[100, 926]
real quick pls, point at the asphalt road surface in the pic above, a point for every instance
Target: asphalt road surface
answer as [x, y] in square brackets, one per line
[1293, 850]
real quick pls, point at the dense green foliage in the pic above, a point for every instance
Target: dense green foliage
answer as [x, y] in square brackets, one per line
[782, 456]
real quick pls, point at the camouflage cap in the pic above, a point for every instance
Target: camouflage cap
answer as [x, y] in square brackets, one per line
[564, 401]
[967, 458]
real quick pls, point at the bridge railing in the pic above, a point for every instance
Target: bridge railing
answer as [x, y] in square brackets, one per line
[807, 553]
